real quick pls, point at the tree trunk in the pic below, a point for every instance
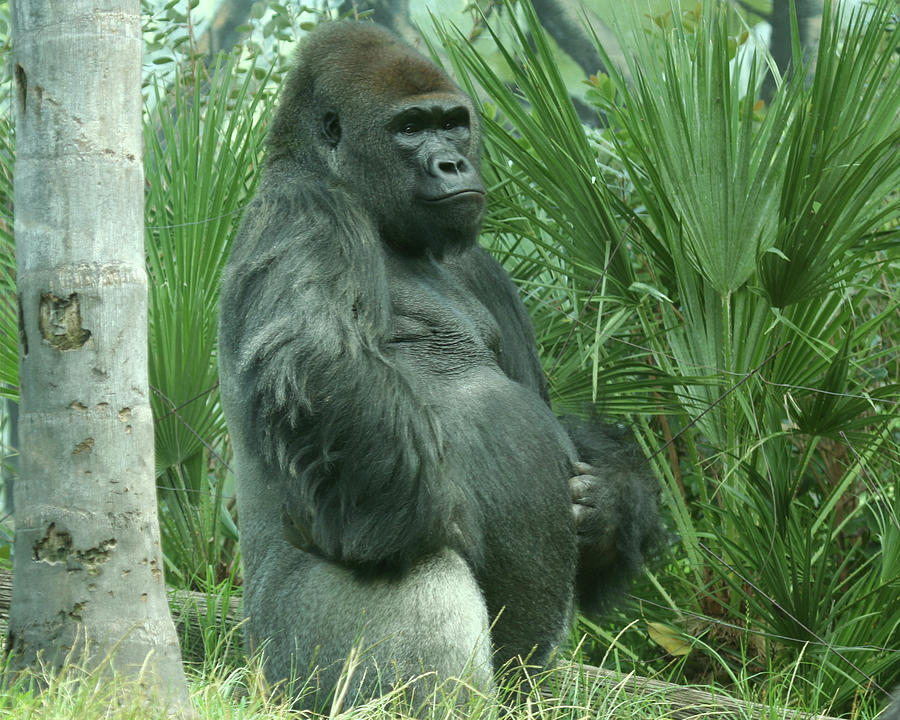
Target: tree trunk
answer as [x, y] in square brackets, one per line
[88, 567]
[223, 32]
[808, 21]
[564, 23]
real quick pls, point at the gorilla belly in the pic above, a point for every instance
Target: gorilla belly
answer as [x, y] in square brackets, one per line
[515, 460]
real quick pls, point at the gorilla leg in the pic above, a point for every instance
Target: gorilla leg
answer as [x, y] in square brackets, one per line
[423, 627]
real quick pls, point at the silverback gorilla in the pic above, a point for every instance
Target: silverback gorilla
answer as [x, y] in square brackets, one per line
[403, 485]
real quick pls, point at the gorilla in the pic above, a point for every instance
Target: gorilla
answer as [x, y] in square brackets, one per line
[404, 490]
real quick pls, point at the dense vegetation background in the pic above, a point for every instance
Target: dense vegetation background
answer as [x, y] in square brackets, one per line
[716, 272]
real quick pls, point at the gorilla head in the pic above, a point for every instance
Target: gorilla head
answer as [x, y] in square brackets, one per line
[366, 110]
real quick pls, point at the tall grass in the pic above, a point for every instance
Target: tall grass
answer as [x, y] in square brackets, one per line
[242, 693]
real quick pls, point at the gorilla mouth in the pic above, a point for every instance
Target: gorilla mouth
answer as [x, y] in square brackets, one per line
[458, 194]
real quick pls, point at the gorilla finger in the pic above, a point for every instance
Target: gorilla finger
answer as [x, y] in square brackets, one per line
[580, 488]
[579, 512]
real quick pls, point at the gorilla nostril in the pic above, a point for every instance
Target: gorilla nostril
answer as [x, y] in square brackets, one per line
[450, 167]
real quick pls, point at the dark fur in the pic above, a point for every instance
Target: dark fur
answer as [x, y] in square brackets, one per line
[401, 479]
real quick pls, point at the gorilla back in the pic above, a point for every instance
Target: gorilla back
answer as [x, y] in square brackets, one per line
[401, 478]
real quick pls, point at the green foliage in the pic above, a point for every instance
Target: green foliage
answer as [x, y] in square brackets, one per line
[211, 639]
[203, 140]
[689, 128]
[736, 259]
[841, 166]
[558, 229]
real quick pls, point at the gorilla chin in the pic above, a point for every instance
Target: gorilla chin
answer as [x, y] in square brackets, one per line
[457, 217]
[405, 491]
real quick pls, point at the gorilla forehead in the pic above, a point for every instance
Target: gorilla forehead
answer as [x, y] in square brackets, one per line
[362, 59]
[363, 75]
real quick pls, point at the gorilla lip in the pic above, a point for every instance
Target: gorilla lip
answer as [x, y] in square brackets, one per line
[453, 195]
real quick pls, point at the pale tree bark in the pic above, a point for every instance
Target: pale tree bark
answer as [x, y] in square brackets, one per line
[88, 572]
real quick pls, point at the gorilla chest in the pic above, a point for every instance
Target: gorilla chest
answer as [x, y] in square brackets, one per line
[505, 457]
[500, 433]
[438, 328]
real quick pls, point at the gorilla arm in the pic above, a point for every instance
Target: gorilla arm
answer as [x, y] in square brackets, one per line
[305, 320]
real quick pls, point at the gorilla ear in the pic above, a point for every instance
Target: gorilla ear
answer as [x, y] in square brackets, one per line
[331, 128]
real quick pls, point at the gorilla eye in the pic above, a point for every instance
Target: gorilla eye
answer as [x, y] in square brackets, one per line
[409, 128]
[456, 119]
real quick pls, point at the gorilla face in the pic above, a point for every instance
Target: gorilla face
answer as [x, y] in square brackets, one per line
[433, 136]
[365, 113]
[433, 140]
[418, 176]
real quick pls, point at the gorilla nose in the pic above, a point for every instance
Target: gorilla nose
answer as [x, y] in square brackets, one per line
[448, 166]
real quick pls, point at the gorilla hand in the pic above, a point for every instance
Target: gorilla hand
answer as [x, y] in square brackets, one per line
[616, 518]
[594, 507]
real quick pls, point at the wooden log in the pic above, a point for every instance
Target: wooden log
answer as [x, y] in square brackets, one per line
[676, 702]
